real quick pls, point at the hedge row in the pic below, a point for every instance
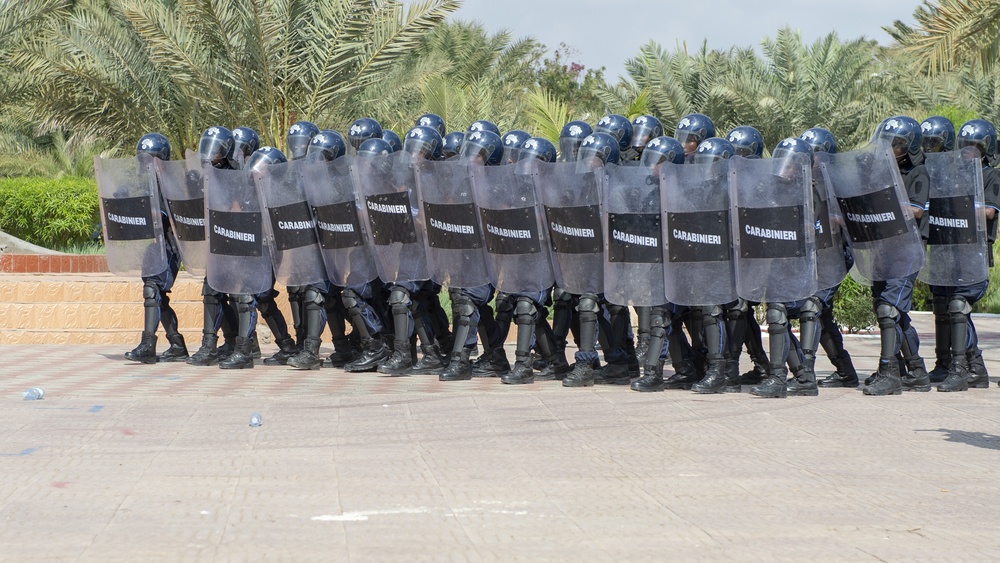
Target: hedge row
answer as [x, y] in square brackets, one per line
[50, 212]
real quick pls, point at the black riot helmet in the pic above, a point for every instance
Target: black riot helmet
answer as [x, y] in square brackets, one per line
[619, 127]
[363, 129]
[264, 157]
[747, 141]
[570, 139]
[784, 157]
[692, 129]
[938, 134]
[246, 141]
[482, 125]
[821, 140]
[216, 147]
[662, 149]
[713, 149]
[598, 149]
[431, 120]
[374, 147]
[393, 139]
[329, 144]
[512, 142]
[537, 148]
[645, 128]
[451, 144]
[903, 134]
[155, 145]
[423, 141]
[299, 135]
[483, 145]
[981, 134]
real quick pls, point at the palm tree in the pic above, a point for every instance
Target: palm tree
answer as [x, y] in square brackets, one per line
[119, 68]
[950, 34]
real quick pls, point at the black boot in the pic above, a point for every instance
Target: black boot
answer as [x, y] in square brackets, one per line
[242, 356]
[521, 373]
[177, 352]
[916, 378]
[958, 375]
[255, 346]
[803, 382]
[582, 376]
[430, 363]
[459, 368]
[714, 380]
[308, 358]
[845, 376]
[886, 380]
[493, 364]
[286, 349]
[374, 351]
[756, 376]
[613, 374]
[940, 371]
[642, 348]
[228, 345]
[979, 378]
[775, 386]
[733, 379]
[342, 354]
[145, 352]
[685, 375]
[208, 353]
[556, 367]
[651, 380]
[400, 362]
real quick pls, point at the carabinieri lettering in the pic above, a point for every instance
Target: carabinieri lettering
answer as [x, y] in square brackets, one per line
[452, 228]
[771, 233]
[508, 233]
[872, 217]
[127, 220]
[629, 238]
[696, 237]
[383, 208]
[236, 235]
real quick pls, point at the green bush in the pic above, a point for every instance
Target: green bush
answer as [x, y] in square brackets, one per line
[54, 213]
[852, 307]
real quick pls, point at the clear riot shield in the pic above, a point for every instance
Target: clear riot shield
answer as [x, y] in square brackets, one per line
[572, 204]
[238, 258]
[289, 228]
[455, 255]
[698, 265]
[873, 200]
[130, 216]
[771, 215]
[392, 218]
[513, 229]
[329, 188]
[182, 187]
[831, 266]
[633, 269]
[956, 220]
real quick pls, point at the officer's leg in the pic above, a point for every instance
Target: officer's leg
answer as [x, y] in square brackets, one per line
[776, 385]
[438, 317]
[463, 313]
[400, 362]
[942, 334]
[755, 347]
[431, 361]
[145, 352]
[833, 345]
[714, 380]
[586, 357]
[887, 380]
[652, 369]
[367, 323]
[242, 356]
[958, 370]
[525, 316]
[804, 382]
[553, 358]
[495, 363]
[562, 315]
[275, 321]
[736, 328]
[295, 304]
[618, 347]
[336, 320]
[313, 319]
[177, 352]
[642, 337]
[212, 309]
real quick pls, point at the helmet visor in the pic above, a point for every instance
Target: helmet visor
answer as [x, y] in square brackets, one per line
[420, 147]
[214, 151]
[569, 148]
[298, 145]
[642, 134]
[933, 144]
[979, 145]
[591, 158]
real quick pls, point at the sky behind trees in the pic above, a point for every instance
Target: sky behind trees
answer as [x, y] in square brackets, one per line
[724, 23]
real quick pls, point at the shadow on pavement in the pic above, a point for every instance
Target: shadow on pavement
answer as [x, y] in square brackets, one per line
[978, 439]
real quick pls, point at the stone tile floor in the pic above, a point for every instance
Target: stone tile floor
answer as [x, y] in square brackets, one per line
[122, 462]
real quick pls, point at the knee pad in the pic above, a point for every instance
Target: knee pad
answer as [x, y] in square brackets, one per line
[244, 301]
[525, 310]
[810, 309]
[958, 305]
[885, 311]
[150, 294]
[295, 292]
[711, 314]
[777, 314]
[737, 311]
[462, 307]
[350, 299]
[588, 304]
[560, 295]
[313, 296]
[615, 310]
[399, 297]
[940, 308]
[505, 307]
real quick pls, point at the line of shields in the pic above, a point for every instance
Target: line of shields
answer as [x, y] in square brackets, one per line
[692, 234]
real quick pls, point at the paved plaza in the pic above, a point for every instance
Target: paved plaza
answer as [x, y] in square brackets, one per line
[127, 462]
